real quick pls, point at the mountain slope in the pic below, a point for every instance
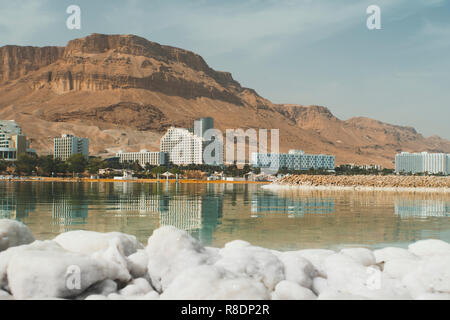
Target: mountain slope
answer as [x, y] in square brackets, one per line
[123, 92]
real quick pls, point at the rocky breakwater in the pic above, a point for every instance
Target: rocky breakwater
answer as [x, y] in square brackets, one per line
[173, 265]
[366, 182]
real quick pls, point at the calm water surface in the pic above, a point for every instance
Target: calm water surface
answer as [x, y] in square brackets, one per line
[217, 214]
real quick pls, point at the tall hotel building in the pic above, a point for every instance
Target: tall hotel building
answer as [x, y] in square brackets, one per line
[144, 157]
[12, 141]
[294, 160]
[186, 146]
[433, 163]
[68, 145]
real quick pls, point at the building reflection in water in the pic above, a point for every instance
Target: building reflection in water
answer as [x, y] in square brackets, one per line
[198, 214]
[13, 207]
[270, 203]
[69, 212]
[422, 208]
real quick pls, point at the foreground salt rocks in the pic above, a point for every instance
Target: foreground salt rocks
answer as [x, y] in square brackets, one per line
[174, 265]
[14, 233]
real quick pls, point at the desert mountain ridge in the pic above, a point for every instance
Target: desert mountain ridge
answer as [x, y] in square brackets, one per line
[123, 92]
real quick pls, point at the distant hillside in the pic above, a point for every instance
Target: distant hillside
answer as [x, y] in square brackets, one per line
[123, 92]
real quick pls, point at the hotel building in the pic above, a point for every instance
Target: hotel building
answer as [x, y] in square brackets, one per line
[12, 141]
[68, 145]
[186, 146]
[294, 160]
[432, 163]
[144, 157]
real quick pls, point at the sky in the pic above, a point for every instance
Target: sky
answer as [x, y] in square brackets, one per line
[290, 51]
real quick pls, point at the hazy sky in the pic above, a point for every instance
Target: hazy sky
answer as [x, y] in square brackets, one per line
[290, 51]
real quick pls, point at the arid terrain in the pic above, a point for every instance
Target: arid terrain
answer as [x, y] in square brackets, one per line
[123, 92]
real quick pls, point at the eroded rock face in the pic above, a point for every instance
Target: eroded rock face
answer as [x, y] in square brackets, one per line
[16, 61]
[108, 62]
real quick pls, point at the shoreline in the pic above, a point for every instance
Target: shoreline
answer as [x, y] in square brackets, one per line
[275, 187]
[170, 181]
[364, 183]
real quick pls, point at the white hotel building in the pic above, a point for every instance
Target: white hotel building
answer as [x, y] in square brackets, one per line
[12, 142]
[144, 157]
[432, 163]
[294, 160]
[187, 146]
[182, 146]
[68, 145]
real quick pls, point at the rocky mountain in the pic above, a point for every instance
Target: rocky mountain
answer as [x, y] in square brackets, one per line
[123, 92]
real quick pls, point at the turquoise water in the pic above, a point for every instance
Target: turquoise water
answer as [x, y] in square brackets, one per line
[216, 213]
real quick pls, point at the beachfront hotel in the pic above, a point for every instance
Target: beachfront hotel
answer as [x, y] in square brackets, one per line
[186, 146]
[144, 157]
[432, 163]
[68, 145]
[294, 160]
[12, 141]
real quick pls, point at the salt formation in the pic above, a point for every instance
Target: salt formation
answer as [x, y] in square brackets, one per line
[174, 265]
[14, 233]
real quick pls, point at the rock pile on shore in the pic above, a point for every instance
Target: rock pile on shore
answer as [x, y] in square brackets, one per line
[173, 265]
[373, 181]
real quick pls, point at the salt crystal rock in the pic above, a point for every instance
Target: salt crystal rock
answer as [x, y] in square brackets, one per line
[362, 255]
[171, 251]
[5, 295]
[14, 233]
[317, 258]
[89, 242]
[392, 253]
[431, 276]
[349, 276]
[287, 290]
[398, 268]
[297, 269]
[213, 283]
[116, 296]
[344, 273]
[103, 288]
[434, 296]
[114, 247]
[138, 287]
[255, 262]
[430, 247]
[336, 295]
[150, 296]
[137, 264]
[319, 285]
[44, 269]
[96, 297]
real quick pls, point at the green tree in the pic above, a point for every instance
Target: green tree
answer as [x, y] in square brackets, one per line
[50, 166]
[159, 170]
[26, 164]
[175, 170]
[77, 163]
[3, 165]
[95, 164]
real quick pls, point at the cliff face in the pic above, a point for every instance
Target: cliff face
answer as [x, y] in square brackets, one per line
[123, 92]
[101, 62]
[16, 61]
